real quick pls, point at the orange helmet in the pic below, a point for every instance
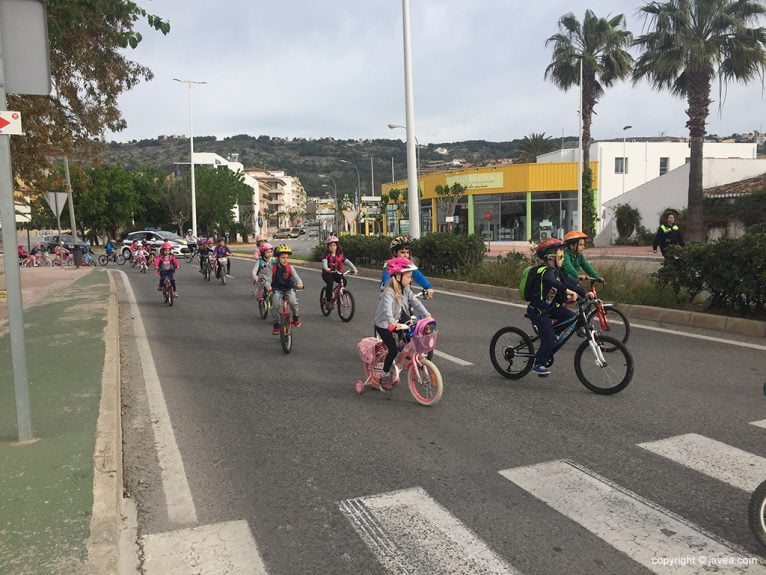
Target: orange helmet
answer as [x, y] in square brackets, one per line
[574, 236]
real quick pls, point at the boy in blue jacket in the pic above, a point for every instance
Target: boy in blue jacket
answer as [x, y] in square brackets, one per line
[550, 293]
[400, 248]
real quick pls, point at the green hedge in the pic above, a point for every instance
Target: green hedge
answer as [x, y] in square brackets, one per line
[729, 272]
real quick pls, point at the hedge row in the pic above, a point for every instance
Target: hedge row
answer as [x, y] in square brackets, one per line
[730, 273]
[438, 254]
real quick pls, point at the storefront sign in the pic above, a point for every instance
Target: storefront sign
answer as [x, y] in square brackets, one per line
[478, 181]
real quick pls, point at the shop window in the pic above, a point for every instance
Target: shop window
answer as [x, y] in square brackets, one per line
[621, 165]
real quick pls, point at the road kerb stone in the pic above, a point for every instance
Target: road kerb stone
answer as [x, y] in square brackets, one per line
[709, 321]
[748, 327]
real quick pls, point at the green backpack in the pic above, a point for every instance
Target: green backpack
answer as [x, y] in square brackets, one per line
[527, 282]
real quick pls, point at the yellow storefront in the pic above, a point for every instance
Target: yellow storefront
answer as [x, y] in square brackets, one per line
[519, 202]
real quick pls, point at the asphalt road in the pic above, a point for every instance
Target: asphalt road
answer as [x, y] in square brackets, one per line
[282, 445]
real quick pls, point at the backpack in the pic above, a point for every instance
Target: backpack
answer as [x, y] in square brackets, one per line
[529, 281]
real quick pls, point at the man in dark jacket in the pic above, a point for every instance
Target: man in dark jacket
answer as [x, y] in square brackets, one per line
[668, 235]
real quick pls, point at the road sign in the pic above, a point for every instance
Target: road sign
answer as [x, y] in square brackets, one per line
[56, 201]
[10, 123]
[488, 216]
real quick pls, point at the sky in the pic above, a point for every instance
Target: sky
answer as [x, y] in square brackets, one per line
[321, 68]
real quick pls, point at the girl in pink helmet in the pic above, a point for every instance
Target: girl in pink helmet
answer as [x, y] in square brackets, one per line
[262, 270]
[397, 303]
[166, 265]
[333, 265]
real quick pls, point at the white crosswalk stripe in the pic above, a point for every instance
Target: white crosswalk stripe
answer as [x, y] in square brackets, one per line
[645, 532]
[715, 459]
[410, 533]
[761, 423]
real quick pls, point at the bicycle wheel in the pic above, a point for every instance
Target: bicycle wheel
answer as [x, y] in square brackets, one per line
[323, 302]
[189, 257]
[618, 325]
[263, 310]
[120, 259]
[56, 263]
[285, 333]
[610, 378]
[756, 513]
[346, 306]
[426, 384]
[511, 352]
[103, 259]
[222, 273]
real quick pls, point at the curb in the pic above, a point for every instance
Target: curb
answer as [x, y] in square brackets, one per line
[106, 519]
[726, 324]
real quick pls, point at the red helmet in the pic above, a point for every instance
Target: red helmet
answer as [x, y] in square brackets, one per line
[546, 247]
[332, 239]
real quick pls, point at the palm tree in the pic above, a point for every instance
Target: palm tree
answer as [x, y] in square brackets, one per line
[535, 145]
[688, 43]
[600, 44]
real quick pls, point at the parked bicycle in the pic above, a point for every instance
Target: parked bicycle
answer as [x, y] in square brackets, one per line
[602, 363]
[341, 298]
[605, 317]
[285, 320]
[424, 378]
[115, 257]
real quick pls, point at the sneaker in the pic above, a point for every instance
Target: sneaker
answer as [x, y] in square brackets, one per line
[175, 294]
[541, 370]
[275, 330]
[386, 383]
[296, 322]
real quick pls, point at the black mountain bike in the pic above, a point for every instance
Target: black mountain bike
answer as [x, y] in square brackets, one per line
[602, 363]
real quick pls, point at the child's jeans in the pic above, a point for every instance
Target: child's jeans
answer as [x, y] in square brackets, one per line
[276, 303]
[544, 324]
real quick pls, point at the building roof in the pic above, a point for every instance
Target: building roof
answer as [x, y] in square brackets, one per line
[737, 189]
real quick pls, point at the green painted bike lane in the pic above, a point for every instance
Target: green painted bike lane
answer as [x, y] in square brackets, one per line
[46, 487]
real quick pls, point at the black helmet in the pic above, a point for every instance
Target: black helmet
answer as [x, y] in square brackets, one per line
[398, 243]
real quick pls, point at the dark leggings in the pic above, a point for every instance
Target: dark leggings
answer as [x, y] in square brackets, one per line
[545, 328]
[393, 350]
[330, 278]
[170, 274]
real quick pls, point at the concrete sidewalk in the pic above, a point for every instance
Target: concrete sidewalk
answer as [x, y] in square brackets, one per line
[59, 494]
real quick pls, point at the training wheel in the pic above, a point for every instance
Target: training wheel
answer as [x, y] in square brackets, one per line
[359, 387]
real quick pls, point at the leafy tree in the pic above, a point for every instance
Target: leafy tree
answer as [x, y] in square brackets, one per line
[108, 201]
[600, 44]
[89, 71]
[535, 145]
[448, 198]
[218, 191]
[689, 43]
[175, 203]
[150, 185]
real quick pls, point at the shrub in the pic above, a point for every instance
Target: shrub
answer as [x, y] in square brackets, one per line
[448, 255]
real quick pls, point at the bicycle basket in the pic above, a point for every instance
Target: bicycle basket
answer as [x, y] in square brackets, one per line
[366, 349]
[424, 335]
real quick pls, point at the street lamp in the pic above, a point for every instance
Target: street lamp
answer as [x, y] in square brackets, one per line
[191, 153]
[358, 181]
[335, 188]
[417, 146]
[624, 157]
[414, 206]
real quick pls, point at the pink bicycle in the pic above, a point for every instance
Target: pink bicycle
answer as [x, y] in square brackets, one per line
[425, 379]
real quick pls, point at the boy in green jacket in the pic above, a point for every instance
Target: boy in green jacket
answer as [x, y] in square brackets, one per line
[574, 258]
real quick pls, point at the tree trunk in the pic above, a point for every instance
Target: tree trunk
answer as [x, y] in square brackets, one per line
[699, 102]
[588, 104]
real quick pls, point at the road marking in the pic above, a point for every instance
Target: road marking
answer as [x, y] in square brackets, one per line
[451, 358]
[175, 485]
[410, 533]
[222, 548]
[731, 465]
[761, 423]
[642, 530]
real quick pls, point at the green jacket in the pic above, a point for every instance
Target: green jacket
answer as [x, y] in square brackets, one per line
[572, 265]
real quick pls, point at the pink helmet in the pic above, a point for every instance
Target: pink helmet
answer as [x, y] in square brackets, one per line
[166, 246]
[260, 238]
[266, 247]
[332, 239]
[399, 266]
[210, 241]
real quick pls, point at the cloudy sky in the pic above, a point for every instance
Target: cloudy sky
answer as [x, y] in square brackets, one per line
[318, 68]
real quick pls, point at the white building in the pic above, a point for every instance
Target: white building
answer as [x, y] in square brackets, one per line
[623, 166]
[284, 197]
[672, 190]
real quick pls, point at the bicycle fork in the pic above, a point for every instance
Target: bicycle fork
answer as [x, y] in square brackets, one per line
[598, 353]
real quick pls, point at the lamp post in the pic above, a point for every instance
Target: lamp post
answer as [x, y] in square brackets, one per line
[579, 156]
[191, 153]
[624, 157]
[358, 181]
[335, 189]
[414, 212]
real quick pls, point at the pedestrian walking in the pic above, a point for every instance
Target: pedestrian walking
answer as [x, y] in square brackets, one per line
[668, 235]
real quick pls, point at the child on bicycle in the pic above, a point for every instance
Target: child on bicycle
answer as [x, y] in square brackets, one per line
[400, 248]
[551, 290]
[260, 239]
[284, 279]
[262, 270]
[166, 265]
[333, 265]
[223, 251]
[574, 259]
[205, 253]
[397, 303]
